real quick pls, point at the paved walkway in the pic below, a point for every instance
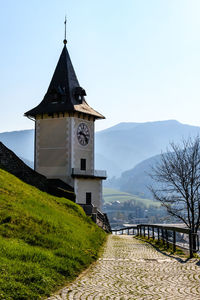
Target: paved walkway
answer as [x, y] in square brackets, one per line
[131, 269]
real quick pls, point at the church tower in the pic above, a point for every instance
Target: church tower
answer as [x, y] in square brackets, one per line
[64, 134]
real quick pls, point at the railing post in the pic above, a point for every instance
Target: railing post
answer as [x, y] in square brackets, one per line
[163, 240]
[158, 234]
[144, 231]
[153, 232]
[174, 241]
[191, 243]
[128, 231]
[148, 231]
[197, 242]
[137, 230]
[166, 234]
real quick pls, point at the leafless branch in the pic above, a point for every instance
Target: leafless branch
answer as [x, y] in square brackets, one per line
[178, 179]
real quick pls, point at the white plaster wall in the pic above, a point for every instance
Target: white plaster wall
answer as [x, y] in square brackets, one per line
[53, 147]
[84, 185]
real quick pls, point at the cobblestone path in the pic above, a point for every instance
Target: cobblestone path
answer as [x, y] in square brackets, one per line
[131, 269]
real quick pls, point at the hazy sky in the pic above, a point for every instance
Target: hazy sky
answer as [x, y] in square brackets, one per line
[138, 60]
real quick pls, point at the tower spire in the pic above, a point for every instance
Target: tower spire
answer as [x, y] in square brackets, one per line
[65, 39]
[64, 93]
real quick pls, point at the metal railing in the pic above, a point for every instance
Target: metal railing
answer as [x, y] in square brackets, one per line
[130, 230]
[176, 236]
[91, 172]
[167, 235]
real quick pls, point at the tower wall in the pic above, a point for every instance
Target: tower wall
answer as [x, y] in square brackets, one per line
[78, 151]
[57, 149]
[53, 156]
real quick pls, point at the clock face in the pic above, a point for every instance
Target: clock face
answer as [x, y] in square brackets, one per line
[83, 134]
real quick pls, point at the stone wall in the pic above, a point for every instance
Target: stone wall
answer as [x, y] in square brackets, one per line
[11, 163]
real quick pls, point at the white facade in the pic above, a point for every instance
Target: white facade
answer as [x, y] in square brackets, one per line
[58, 154]
[93, 186]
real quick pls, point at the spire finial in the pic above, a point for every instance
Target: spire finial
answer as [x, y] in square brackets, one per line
[65, 40]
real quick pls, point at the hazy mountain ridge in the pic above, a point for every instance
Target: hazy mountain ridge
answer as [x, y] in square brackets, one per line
[137, 180]
[118, 148]
[128, 147]
[21, 142]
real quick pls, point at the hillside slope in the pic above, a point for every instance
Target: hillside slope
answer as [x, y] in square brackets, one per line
[45, 241]
[137, 180]
[125, 208]
[112, 195]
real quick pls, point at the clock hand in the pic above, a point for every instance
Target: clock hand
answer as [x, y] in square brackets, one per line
[86, 138]
[82, 133]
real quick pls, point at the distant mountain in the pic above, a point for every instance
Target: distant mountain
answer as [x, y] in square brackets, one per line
[28, 162]
[21, 142]
[118, 148]
[104, 163]
[136, 180]
[127, 144]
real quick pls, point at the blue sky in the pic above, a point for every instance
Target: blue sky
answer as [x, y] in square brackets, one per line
[138, 60]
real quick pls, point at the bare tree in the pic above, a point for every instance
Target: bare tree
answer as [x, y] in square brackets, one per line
[178, 178]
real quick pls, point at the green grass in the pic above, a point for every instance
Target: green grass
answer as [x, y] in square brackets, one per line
[111, 195]
[158, 244]
[45, 241]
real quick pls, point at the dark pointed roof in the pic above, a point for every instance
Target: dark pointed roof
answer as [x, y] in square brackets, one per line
[64, 93]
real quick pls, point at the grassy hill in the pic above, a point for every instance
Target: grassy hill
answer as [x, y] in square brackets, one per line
[112, 195]
[45, 241]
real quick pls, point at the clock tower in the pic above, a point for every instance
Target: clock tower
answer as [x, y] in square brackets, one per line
[64, 135]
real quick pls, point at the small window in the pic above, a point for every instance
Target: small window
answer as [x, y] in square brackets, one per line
[83, 164]
[88, 198]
